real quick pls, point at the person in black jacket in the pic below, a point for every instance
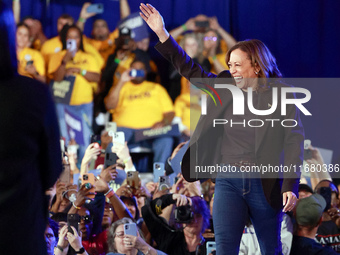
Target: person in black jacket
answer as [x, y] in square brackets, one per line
[30, 155]
[241, 149]
[185, 241]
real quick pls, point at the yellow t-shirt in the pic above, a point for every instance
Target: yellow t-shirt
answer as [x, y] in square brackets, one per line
[188, 108]
[141, 105]
[83, 89]
[28, 54]
[54, 45]
[107, 47]
[36, 44]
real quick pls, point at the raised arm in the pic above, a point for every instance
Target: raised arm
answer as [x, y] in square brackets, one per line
[84, 15]
[155, 21]
[112, 99]
[189, 25]
[16, 10]
[170, 49]
[124, 9]
[228, 38]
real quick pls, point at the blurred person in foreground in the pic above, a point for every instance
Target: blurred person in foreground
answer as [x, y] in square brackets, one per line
[30, 150]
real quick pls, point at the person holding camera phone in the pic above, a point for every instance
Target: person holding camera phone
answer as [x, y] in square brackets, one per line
[30, 62]
[81, 72]
[67, 239]
[239, 194]
[140, 104]
[30, 150]
[102, 39]
[216, 40]
[121, 243]
[192, 213]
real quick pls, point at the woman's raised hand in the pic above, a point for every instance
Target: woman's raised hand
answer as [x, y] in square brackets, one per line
[154, 20]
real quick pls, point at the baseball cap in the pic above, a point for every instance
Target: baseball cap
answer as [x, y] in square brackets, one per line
[309, 210]
[305, 187]
[133, 199]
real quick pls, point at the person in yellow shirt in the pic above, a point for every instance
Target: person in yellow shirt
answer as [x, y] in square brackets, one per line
[140, 104]
[102, 39]
[82, 72]
[216, 42]
[188, 110]
[54, 44]
[30, 61]
[37, 36]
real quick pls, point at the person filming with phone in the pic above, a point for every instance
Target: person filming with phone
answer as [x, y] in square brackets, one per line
[191, 213]
[76, 73]
[140, 104]
[124, 239]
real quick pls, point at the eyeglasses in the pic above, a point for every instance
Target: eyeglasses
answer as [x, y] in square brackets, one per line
[119, 234]
[86, 218]
[210, 38]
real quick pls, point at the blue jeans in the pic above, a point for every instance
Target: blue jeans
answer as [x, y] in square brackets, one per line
[235, 201]
[85, 113]
[161, 147]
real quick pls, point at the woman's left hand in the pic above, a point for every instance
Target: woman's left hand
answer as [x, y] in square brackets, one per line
[31, 69]
[74, 239]
[63, 242]
[289, 201]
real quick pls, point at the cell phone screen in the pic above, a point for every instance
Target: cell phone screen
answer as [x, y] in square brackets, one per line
[73, 220]
[164, 183]
[65, 175]
[132, 179]
[130, 229]
[89, 178]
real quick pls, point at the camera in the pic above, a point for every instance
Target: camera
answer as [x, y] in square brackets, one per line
[183, 214]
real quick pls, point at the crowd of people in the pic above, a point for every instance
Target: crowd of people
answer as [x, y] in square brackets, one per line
[91, 76]
[112, 74]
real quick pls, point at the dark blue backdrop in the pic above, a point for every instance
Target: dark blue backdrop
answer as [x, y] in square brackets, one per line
[304, 36]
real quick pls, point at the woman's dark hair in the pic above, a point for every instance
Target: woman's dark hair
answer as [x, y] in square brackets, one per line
[22, 24]
[133, 199]
[63, 36]
[8, 63]
[60, 216]
[259, 55]
[199, 206]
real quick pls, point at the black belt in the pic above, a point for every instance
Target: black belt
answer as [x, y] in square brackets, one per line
[243, 163]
